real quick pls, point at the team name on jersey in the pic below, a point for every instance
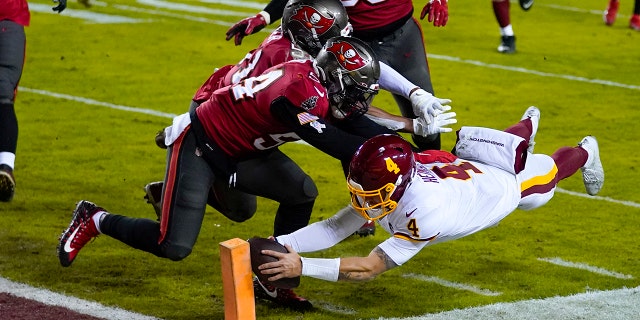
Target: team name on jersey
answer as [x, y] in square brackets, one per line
[426, 175]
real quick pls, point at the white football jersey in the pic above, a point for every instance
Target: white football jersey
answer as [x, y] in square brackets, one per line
[447, 201]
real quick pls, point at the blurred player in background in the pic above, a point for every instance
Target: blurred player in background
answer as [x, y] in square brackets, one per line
[501, 10]
[14, 16]
[427, 198]
[611, 13]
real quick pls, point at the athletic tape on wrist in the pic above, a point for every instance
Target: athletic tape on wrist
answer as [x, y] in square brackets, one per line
[324, 269]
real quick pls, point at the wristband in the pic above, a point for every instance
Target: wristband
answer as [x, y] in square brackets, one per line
[323, 269]
[266, 16]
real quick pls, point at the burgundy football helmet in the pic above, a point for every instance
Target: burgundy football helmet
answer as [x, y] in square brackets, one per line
[350, 71]
[310, 23]
[379, 173]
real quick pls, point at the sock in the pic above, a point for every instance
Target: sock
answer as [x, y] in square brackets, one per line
[569, 160]
[501, 11]
[522, 129]
[8, 128]
[98, 217]
[506, 31]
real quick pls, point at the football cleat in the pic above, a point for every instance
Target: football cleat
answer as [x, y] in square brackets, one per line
[526, 4]
[7, 183]
[153, 195]
[369, 228]
[80, 231]
[532, 113]
[282, 297]
[592, 171]
[634, 23]
[507, 44]
[609, 15]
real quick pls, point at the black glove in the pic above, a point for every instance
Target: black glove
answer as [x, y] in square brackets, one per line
[62, 4]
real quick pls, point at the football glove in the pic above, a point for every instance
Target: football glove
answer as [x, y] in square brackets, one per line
[436, 124]
[425, 104]
[438, 12]
[62, 4]
[247, 26]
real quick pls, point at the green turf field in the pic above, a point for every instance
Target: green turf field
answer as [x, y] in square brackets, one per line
[86, 107]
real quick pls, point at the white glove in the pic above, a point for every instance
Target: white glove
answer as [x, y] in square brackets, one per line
[434, 124]
[424, 103]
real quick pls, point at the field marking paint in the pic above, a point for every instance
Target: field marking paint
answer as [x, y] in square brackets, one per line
[584, 195]
[59, 300]
[450, 284]
[89, 16]
[333, 308]
[535, 72]
[161, 4]
[621, 304]
[98, 103]
[584, 266]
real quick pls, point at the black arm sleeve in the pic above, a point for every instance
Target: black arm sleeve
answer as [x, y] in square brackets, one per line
[275, 9]
[324, 136]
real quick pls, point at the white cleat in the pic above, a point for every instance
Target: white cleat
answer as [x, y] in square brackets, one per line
[592, 171]
[532, 113]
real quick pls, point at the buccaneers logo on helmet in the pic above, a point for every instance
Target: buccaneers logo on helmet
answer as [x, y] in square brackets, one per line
[347, 55]
[313, 20]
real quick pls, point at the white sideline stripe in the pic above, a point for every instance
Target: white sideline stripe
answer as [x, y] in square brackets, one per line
[78, 305]
[584, 266]
[535, 72]
[193, 9]
[171, 115]
[98, 103]
[332, 308]
[584, 195]
[84, 14]
[621, 304]
[450, 284]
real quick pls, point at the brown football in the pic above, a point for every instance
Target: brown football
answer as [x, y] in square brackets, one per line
[258, 244]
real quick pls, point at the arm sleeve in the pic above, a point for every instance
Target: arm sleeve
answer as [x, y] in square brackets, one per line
[320, 134]
[326, 233]
[394, 82]
[275, 9]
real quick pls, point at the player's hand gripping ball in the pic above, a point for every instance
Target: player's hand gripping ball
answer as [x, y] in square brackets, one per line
[257, 258]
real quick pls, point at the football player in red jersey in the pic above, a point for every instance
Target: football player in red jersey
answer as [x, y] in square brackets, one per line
[389, 28]
[230, 142]
[306, 26]
[14, 16]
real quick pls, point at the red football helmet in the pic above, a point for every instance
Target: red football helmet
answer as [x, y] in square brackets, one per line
[379, 173]
[310, 23]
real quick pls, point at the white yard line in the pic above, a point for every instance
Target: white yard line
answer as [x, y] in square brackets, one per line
[55, 299]
[450, 284]
[584, 266]
[619, 304]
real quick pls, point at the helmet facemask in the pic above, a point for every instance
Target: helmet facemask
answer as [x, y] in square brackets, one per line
[372, 204]
[349, 70]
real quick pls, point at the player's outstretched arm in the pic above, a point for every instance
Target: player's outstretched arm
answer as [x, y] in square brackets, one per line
[291, 265]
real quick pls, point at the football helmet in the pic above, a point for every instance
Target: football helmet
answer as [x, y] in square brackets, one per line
[310, 23]
[350, 71]
[379, 173]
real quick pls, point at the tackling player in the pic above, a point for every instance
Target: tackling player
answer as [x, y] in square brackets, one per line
[230, 142]
[426, 198]
[388, 27]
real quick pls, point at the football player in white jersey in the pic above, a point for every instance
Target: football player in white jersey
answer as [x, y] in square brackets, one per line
[429, 197]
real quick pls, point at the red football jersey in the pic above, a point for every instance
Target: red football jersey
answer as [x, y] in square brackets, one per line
[239, 119]
[373, 14]
[16, 11]
[274, 50]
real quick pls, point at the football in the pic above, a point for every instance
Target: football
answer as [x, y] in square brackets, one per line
[258, 244]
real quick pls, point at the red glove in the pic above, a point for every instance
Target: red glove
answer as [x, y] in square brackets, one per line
[438, 12]
[246, 27]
